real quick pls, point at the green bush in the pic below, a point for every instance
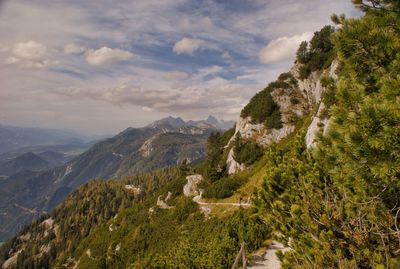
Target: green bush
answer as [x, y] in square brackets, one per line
[213, 168]
[214, 165]
[274, 121]
[213, 243]
[262, 108]
[224, 187]
[288, 78]
[279, 84]
[294, 100]
[317, 54]
[285, 76]
[303, 55]
[304, 71]
[246, 151]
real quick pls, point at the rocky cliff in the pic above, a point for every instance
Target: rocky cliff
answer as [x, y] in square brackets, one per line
[302, 98]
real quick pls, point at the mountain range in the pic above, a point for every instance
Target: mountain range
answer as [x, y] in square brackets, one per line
[29, 189]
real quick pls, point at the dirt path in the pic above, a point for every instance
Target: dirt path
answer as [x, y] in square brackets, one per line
[270, 259]
[32, 211]
[224, 204]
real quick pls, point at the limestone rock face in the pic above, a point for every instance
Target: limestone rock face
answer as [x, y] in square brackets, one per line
[147, 146]
[310, 87]
[293, 102]
[191, 187]
[316, 124]
[232, 165]
[262, 135]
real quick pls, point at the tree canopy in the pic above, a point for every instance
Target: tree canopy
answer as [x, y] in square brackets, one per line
[339, 205]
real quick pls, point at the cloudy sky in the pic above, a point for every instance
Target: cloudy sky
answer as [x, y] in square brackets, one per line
[99, 66]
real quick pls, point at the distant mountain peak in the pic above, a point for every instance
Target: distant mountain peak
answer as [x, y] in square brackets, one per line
[178, 122]
[27, 161]
[212, 120]
[173, 122]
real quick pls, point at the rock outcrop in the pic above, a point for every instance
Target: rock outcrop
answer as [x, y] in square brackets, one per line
[163, 203]
[147, 146]
[317, 123]
[232, 165]
[133, 189]
[191, 188]
[294, 102]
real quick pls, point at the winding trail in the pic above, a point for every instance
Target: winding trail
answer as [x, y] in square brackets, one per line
[32, 211]
[224, 204]
[270, 260]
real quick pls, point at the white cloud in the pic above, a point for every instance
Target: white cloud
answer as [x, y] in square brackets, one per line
[211, 70]
[147, 24]
[107, 55]
[30, 50]
[218, 95]
[283, 48]
[202, 74]
[30, 54]
[73, 48]
[187, 45]
[226, 56]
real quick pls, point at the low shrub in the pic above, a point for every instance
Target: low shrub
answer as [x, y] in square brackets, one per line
[224, 187]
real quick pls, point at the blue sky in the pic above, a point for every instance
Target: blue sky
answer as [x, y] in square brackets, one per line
[99, 66]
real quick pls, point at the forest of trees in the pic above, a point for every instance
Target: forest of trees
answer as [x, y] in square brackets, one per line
[339, 204]
[101, 215]
[316, 54]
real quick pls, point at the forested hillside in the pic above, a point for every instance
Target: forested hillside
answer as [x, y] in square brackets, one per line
[167, 142]
[338, 205]
[103, 223]
[318, 151]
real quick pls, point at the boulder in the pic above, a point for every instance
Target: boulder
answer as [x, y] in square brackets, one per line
[191, 187]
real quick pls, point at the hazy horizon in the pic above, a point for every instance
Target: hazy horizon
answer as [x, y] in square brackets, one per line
[94, 134]
[98, 67]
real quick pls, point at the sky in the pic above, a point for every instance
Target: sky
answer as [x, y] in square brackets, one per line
[100, 66]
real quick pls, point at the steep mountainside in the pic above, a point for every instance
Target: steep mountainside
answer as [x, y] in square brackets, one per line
[163, 143]
[102, 223]
[54, 158]
[285, 105]
[26, 162]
